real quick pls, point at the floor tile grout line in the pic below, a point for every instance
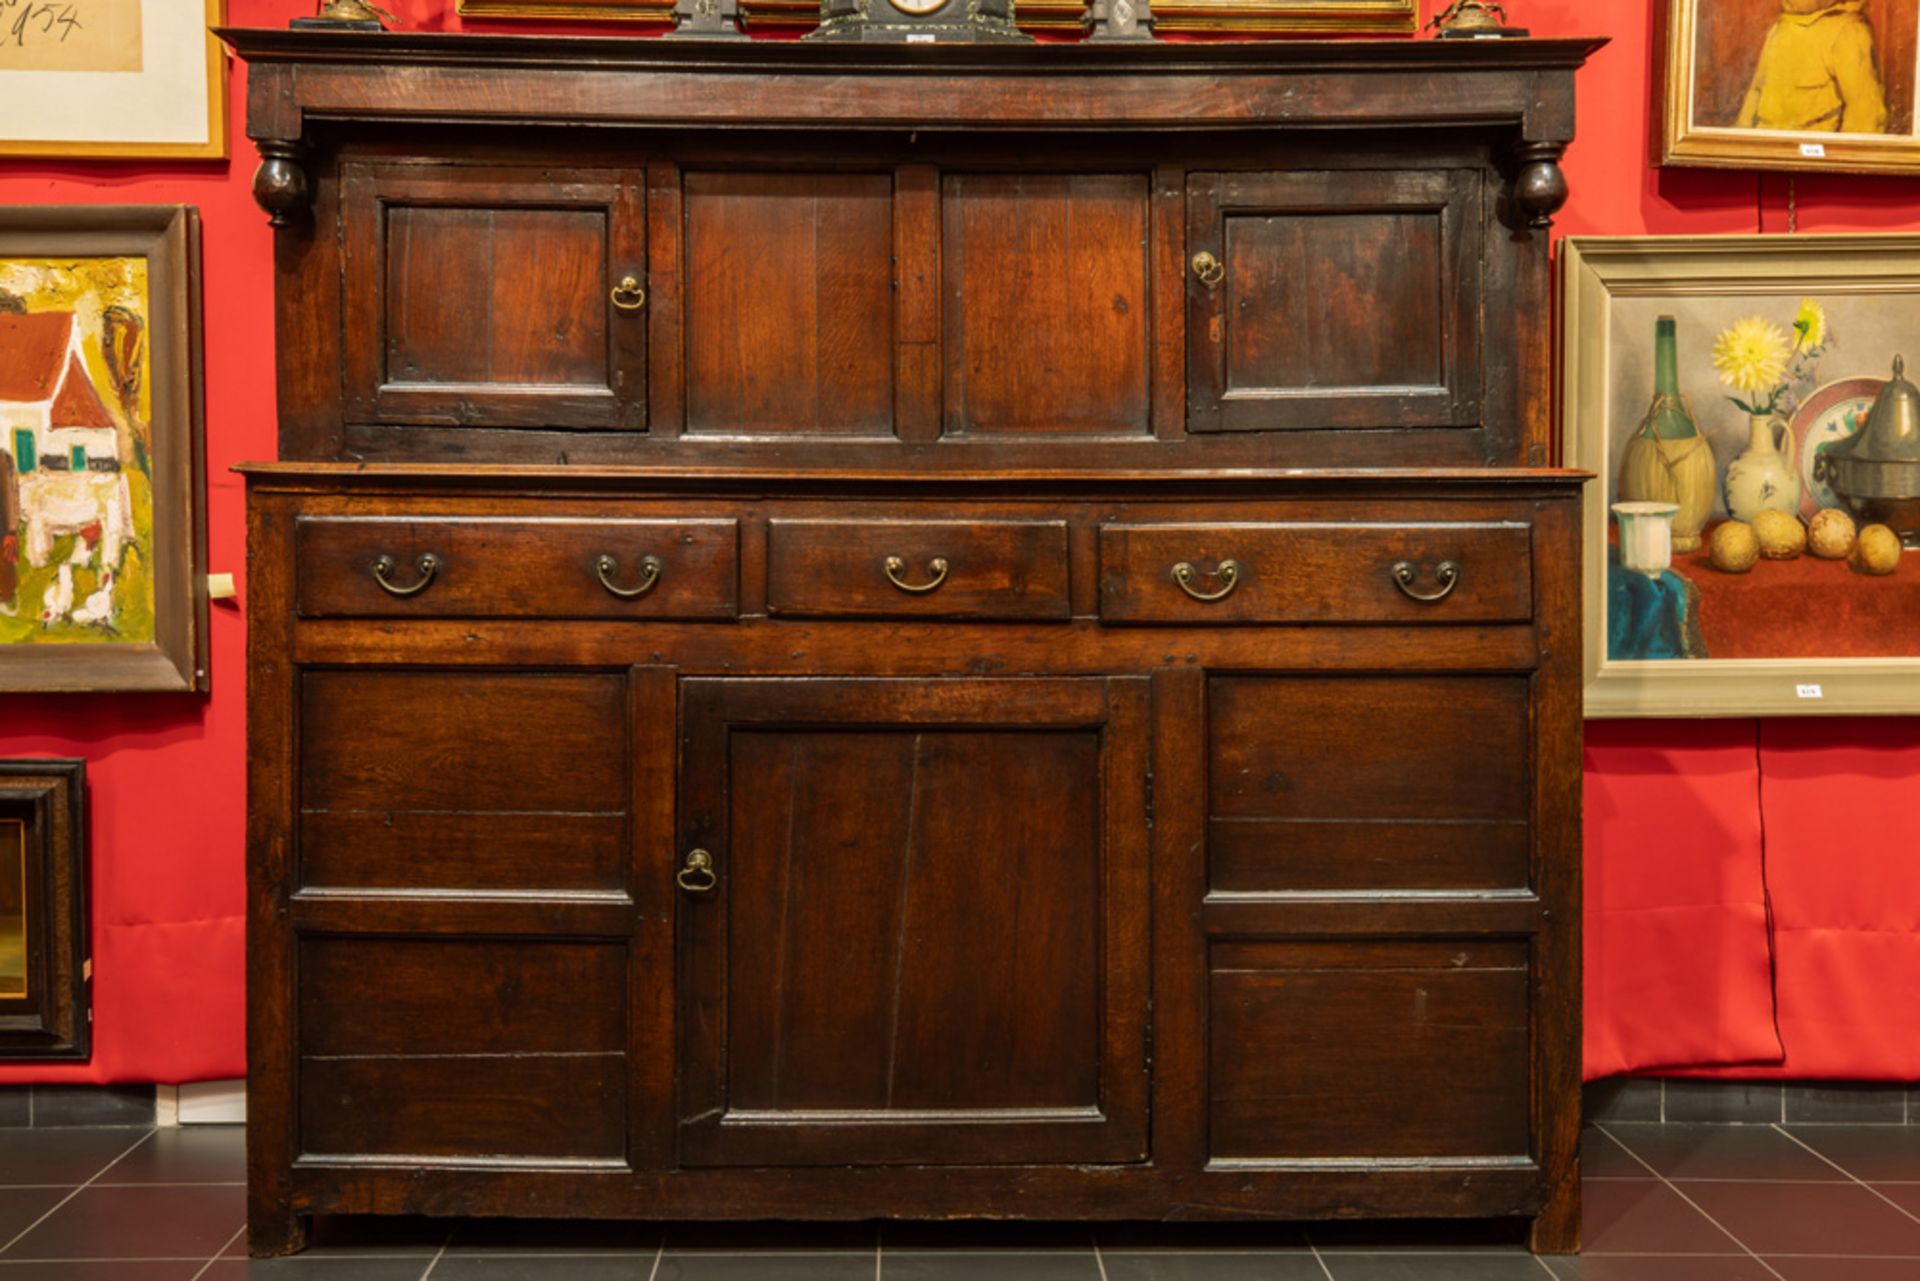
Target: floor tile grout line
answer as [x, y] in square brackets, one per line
[878, 1264]
[441, 1254]
[1099, 1260]
[53, 1209]
[1545, 1267]
[1698, 1208]
[217, 1254]
[1850, 1174]
[661, 1253]
[1319, 1258]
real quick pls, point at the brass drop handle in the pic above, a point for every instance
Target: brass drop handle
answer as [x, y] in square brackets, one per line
[1228, 573]
[1209, 269]
[651, 568]
[895, 566]
[697, 877]
[1446, 573]
[383, 566]
[628, 295]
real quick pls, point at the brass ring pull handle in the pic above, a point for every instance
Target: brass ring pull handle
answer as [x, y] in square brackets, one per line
[1228, 573]
[651, 568]
[895, 566]
[697, 876]
[1446, 573]
[1209, 269]
[427, 563]
[628, 295]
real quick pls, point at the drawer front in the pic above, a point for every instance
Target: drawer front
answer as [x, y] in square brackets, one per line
[1452, 572]
[516, 568]
[919, 568]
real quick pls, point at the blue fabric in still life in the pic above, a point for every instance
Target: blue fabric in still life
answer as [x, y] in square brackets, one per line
[1651, 617]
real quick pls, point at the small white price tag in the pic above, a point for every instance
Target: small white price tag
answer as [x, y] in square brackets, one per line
[920, 39]
[1809, 691]
[1814, 150]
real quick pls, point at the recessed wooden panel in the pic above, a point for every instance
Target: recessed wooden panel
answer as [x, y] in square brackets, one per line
[496, 295]
[1375, 1049]
[526, 568]
[372, 996]
[487, 1107]
[1369, 747]
[994, 568]
[1303, 855]
[402, 849]
[888, 972]
[918, 950]
[1046, 323]
[1368, 783]
[1316, 573]
[485, 296]
[466, 742]
[789, 303]
[1338, 299]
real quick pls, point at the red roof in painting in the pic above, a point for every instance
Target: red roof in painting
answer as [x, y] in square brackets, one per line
[79, 404]
[33, 349]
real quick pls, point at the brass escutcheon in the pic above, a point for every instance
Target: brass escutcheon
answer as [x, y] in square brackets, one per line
[426, 563]
[1446, 573]
[697, 876]
[895, 566]
[651, 568]
[1209, 269]
[628, 295]
[1228, 573]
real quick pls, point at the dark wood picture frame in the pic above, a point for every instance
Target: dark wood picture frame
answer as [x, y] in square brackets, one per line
[54, 1020]
[168, 238]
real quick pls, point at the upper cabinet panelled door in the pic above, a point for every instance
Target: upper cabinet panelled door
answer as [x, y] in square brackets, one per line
[1334, 299]
[497, 296]
[919, 931]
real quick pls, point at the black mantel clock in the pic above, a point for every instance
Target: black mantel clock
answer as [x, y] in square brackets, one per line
[914, 21]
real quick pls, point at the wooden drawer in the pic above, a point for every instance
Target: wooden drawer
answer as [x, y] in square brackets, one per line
[516, 567]
[923, 568]
[1313, 572]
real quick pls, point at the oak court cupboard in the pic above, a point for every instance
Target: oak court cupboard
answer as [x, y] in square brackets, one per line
[875, 631]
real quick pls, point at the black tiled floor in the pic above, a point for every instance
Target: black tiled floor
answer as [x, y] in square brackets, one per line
[1663, 1203]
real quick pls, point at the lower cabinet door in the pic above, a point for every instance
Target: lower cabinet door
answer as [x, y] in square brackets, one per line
[924, 935]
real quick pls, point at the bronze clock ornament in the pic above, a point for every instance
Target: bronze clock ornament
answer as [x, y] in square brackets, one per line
[918, 21]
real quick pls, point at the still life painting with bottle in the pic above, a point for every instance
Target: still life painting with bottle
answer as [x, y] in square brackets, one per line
[1763, 477]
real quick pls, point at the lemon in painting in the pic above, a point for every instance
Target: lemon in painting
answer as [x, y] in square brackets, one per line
[1782, 537]
[1830, 535]
[1876, 551]
[1734, 547]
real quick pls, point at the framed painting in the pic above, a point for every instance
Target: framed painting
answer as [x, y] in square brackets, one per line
[1792, 84]
[1751, 531]
[113, 79]
[102, 533]
[44, 967]
[1215, 17]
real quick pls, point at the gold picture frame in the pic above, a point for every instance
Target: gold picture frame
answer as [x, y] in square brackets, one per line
[1733, 100]
[1613, 290]
[154, 90]
[1198, 17]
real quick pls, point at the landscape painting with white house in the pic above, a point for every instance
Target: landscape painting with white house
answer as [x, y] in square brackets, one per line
[76, 493]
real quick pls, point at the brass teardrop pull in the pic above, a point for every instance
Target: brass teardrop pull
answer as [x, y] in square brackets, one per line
[628, 294]
[697, 876]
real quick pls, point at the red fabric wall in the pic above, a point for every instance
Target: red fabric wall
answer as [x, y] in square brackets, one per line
[1678, 946]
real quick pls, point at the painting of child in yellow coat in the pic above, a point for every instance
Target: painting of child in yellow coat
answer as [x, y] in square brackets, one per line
[1818, 71]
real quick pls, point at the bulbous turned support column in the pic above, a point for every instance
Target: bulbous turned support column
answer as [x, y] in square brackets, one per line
[1539, 188]
[280, 184]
